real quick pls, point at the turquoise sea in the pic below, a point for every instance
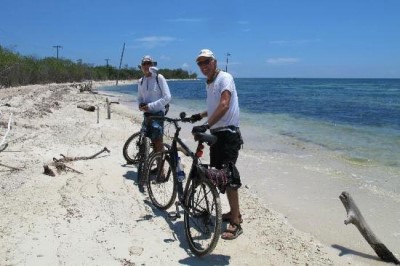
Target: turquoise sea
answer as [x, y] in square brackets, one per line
[341, 134]
[358, 117]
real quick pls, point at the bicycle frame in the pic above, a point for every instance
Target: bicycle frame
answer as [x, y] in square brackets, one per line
[199, 199]
[173, 152]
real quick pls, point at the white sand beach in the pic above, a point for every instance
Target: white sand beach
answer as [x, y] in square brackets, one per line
[99, 217]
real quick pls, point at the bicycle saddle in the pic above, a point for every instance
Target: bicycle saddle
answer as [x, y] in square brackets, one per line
[203, 137]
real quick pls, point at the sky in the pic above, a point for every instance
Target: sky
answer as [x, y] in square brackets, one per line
[264, 38]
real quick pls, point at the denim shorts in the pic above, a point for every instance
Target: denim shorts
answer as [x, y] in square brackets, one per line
[154, 128]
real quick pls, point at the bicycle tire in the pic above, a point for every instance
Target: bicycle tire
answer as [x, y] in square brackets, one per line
[167, 147]
[130, 150]
[144, 154]
[162, 191]
[203, 218]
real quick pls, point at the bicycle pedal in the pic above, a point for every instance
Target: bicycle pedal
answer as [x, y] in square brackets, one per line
[173, 216]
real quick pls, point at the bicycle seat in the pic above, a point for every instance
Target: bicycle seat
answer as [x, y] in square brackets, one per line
[208, 138]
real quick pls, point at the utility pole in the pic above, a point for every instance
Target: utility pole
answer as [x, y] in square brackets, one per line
[108, 69]
[226, 67]
[57, 47]
[120, 63]
[107, 59]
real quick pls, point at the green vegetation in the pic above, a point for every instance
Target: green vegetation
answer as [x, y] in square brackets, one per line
[18, 70]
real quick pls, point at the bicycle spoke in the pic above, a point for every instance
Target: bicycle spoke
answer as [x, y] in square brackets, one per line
[161, 187]
[203, 219]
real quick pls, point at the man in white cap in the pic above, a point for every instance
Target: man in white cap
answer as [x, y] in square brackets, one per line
[223, 121]
[153, 96]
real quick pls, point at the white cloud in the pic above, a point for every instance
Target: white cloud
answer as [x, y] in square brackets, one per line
[154, 41]
[293, 42]
[282, 61]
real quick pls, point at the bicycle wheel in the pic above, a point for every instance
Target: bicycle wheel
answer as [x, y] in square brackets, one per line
[166, 148]
[203, 218]
[161, 184]
[130, 151]
[144, 156]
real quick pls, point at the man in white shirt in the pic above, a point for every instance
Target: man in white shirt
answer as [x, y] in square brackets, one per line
[153, 97]
[223, 122]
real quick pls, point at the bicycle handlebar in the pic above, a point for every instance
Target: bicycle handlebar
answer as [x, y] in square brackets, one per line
[172, 120]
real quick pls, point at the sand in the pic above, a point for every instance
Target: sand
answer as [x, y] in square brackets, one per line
[98, 216]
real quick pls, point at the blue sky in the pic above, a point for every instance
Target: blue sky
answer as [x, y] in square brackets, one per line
[280, 38]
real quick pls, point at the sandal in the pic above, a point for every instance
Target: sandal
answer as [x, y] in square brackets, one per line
[233, 234]
[226, 217]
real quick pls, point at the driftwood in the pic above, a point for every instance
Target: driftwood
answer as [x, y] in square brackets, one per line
[355, 217]
[8, 130]
[87, 107]
[3, 147]
[11, 167]
[85, 87]
[70, 159]
[60, 165]
[48, 171]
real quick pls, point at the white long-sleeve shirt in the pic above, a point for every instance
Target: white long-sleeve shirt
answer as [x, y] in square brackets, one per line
[156, 97]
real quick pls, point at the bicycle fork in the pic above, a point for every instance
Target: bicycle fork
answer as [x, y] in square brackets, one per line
[179, 202]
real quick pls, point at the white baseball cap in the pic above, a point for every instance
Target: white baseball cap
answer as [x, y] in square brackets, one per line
[147, 58]
[205, 53]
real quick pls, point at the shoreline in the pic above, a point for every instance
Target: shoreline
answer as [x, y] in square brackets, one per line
[100, 217]
[304, 180]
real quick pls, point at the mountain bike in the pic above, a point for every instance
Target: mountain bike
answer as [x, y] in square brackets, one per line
[136, 151]
[199, 200]
[130, 149]
[139, 148]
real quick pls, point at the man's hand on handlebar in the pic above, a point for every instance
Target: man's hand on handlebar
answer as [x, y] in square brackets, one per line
[195, 118]
[143, 107]
[200, 129]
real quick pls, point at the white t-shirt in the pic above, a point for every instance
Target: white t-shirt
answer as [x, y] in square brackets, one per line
[224, 81]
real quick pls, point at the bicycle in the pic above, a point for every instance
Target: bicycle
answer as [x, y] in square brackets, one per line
[136, 151]
[141, 144]
[199, 200]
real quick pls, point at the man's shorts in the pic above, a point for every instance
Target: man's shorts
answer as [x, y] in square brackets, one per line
[225, 150]
[154, 127]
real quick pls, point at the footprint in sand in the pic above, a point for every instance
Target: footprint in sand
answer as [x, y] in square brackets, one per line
[136, 251]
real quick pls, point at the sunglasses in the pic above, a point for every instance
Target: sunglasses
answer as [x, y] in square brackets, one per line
[147, 63]
[204, 62]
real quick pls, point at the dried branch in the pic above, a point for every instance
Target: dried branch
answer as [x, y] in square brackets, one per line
[60, 166]
[48, 171]
[11, 167]
[70, 159]
[3, 147]
[8, 130]
[87, 107]
[355, 217]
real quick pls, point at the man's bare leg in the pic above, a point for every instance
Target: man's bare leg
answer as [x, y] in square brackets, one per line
[233, 199]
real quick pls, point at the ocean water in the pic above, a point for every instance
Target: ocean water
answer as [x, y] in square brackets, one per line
[359, 117]
[335, 134]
